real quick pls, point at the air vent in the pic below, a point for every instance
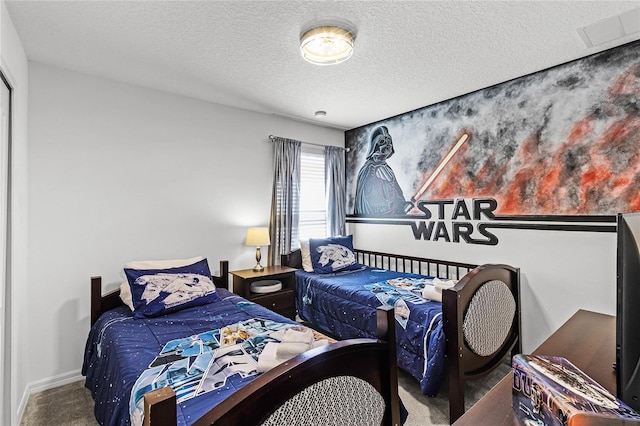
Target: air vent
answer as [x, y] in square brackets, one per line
[610, 29]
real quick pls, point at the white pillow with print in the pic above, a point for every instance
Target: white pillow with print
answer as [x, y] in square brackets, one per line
[306, 256]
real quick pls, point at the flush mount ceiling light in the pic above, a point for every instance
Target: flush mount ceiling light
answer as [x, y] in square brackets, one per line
[327, 44]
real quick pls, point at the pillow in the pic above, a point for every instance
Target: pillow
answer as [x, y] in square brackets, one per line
[306, 256]
[125, 294]
[332, 254]
[157, 292]
[162, 264]
[125, 291]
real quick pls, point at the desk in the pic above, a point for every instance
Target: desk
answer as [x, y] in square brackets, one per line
[587, 340]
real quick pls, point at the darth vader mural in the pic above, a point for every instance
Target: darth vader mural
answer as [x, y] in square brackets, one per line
[377, 190]
[559, 143]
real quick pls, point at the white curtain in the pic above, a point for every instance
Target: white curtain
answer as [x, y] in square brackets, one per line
[285, 198]
[336, 191]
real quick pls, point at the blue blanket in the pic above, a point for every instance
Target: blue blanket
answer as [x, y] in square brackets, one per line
[120, 348]
[344, 304]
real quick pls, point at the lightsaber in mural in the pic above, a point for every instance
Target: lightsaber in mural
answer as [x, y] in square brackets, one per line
[462, 139]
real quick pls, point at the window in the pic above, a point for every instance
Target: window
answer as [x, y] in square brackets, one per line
[313, 208]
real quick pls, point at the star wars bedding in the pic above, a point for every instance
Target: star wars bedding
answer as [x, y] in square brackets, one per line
[227, 334]
[343, 304]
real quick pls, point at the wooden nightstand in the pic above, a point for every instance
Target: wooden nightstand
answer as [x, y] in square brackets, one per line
[281, 301]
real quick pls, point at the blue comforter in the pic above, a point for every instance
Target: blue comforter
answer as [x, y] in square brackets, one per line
[344, 304]
[119, 348]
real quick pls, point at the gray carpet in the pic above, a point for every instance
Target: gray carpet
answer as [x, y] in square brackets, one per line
[65, 405]
[435, 411]
[72, 404]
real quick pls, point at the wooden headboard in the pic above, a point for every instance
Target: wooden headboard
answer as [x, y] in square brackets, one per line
[396, 262]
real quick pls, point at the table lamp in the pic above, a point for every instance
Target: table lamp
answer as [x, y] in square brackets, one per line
[258, 237]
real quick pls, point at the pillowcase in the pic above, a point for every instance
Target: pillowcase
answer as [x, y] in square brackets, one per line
[125, 294]
[306, 256]
[158, 292]
[125, 290]
[332, 254]
[162, 264]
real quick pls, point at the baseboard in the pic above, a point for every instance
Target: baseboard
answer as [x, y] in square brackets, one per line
[46, 384]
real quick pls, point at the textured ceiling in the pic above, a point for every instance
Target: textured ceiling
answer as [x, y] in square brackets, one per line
[408, 54]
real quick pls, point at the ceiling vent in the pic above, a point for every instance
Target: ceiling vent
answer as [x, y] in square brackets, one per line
[610, 29]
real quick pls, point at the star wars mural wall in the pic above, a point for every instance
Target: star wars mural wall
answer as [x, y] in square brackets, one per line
[560, 142]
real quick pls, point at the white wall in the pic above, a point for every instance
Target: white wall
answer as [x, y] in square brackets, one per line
[13, 63]
[119, 173]
[561, 271]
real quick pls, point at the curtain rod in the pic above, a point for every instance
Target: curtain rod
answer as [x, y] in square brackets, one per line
[272, 137]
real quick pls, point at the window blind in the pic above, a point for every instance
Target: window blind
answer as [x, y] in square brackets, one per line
[313, 208]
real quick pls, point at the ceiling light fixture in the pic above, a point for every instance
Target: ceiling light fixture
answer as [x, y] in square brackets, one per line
[327, 44]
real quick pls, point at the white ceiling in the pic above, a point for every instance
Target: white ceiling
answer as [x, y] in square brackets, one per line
[408, 54]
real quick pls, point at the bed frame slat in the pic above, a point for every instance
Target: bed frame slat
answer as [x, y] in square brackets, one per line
[412, 264]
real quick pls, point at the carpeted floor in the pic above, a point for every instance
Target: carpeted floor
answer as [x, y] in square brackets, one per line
[65, 405]
[72, 404]
[435, 411]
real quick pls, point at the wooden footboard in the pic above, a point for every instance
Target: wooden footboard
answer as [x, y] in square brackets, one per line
[476, 346]
[371, 360]
[463, 361]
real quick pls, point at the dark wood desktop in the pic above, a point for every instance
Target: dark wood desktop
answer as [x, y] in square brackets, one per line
[587, 340]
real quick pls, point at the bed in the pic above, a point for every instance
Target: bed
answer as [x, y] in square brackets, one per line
[465, 335]
[122, 351]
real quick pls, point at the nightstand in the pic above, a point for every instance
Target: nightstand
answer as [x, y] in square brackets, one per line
[281, 301]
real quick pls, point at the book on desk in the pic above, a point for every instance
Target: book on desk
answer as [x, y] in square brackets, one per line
[552, 391]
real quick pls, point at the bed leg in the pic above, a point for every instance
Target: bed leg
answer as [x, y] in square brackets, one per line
[456, 398]
[160, 408]
[386, 324]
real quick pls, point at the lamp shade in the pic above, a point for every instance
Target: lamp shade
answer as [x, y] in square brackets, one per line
[327, 45]
[258, 237]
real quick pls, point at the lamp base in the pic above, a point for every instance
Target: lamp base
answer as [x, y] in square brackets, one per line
[258, 267]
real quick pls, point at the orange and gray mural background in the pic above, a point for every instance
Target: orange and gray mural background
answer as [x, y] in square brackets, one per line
[563, 141]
